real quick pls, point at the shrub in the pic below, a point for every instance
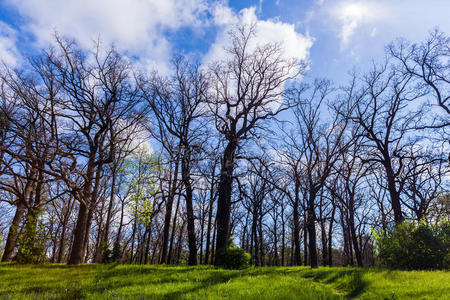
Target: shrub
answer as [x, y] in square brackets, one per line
[232, 257]
[412, 245]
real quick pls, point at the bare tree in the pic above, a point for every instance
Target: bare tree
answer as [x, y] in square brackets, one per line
[381, 108]
[428, 62]
[96, 107]
[247, 90]
[178, 104]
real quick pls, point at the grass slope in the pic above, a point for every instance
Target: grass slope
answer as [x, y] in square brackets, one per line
[205, 282]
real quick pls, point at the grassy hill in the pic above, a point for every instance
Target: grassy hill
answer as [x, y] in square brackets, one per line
[205, 282]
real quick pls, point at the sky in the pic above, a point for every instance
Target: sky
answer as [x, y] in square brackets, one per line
[334, 36]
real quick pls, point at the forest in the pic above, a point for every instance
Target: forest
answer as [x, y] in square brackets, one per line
[102, 161]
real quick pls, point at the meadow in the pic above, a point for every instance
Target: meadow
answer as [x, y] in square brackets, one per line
[114, 281]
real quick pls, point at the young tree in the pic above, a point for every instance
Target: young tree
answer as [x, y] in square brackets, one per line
[178, 104]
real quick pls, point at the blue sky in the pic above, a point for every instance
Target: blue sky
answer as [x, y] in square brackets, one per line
[333, 35]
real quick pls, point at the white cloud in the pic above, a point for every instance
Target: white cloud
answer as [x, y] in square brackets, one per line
[9, 54]
[352, 15]
[137, 26]
[295, 45]
[224, 15]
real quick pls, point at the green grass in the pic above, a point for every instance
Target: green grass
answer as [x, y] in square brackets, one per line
[205, 282]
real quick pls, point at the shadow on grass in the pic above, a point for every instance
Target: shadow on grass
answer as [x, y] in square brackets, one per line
[157, 277]
[349, 281]
[116, 281]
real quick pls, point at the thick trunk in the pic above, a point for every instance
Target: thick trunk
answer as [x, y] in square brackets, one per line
[87, 232]
[76, 255]
[80, 232]
[224, 201]
[11, 240]
[395, 195]
[12, 234]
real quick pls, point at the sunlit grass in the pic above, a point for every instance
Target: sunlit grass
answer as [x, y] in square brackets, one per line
[205, 282]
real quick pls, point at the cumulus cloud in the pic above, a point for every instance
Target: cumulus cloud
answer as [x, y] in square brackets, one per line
[352, 15]
[9, 54]
[137, 26]
[143, 28]
[295, 45]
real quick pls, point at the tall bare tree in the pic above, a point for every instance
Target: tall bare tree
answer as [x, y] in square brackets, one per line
[247, 90]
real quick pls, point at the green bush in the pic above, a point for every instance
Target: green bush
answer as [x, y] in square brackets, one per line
[30, 241]
[414, 246]
[232, 257]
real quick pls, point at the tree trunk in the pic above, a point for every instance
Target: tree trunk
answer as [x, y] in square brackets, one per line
[395, 195]
[305, 243]
[355, 240]
[147, 242]
[104, 243]
[167, 218]
[275, 243]
[296, 216]
[211, 206]
[283, 237]
[172, 236]
[76, 255]
[192, 241]
[79, 234]
[330, 237]
[224, 201]
[254, 241]
[323, 236]
[312, 231]
[13, 232]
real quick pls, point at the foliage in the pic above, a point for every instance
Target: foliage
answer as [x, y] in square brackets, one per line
[233, 257]
[31, 248]
[140, 170]
[112, 256]
[92, 281]
[116, 252]
[414, 246]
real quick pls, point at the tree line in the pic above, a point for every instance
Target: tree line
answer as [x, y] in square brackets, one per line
[101, 161]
